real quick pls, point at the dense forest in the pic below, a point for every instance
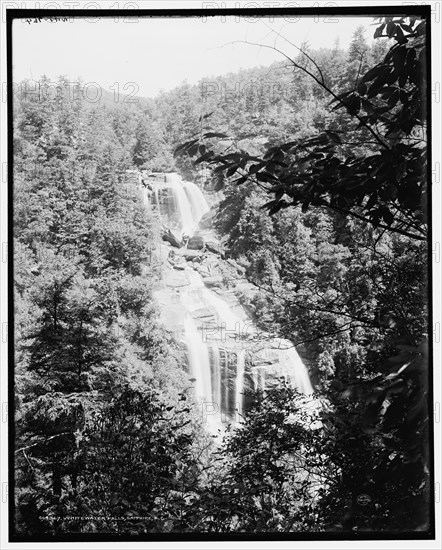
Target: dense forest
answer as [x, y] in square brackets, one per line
[316, 167]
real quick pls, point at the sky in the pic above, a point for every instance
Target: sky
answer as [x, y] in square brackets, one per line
[147, 55]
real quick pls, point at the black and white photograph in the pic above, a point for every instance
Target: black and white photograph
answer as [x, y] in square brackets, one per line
[220, 273]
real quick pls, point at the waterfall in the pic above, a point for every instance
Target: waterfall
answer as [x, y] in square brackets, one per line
[229, 325]
[215, 369]
[300, 378]
[174, 208]
[180, 205]
[227, 354]
[197, 201]
[216, 337]
[199, 361]
[239, 384]
[186, 219]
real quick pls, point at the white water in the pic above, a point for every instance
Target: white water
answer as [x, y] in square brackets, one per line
[198, 359]
[227, 355]
[174, 208]
[213, 334]
[197, 201]
[180, 205]
[188, 222]
[291, 360]
[239, 383]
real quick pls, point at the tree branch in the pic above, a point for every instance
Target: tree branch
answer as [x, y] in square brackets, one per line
[42, 441]
[320, 83]
[367, 220]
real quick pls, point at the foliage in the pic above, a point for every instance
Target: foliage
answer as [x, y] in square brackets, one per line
[263, 485]
[343, 260]
[86, 319]
[138, 463]
[384, 186]
[105, 425]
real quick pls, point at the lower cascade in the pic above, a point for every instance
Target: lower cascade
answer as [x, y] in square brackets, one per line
[227, 354]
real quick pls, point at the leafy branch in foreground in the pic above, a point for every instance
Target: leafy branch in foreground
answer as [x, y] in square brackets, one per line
[386, 185]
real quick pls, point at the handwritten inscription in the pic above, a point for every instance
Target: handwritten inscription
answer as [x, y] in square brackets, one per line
[52, 19]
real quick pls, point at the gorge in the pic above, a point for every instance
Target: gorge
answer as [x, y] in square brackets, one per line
[199, 299]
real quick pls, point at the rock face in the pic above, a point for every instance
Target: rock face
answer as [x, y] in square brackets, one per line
[239, 268]
[206, 221]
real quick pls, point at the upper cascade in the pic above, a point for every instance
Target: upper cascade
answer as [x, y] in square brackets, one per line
[180, 204]
[197, 201]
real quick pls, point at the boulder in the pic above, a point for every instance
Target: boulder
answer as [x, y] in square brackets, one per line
[191, 255]
[202, 313]
[214, 247]
[174, 279]
[202, 270]
[239, 268]
[172, 238]
[198, 259]
[178, 259]
[195, 243]
[265, 356]
[213, 282]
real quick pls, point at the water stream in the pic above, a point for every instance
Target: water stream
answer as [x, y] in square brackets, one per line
[226, 353]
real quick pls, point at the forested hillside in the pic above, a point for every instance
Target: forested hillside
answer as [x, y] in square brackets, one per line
[324, 207]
